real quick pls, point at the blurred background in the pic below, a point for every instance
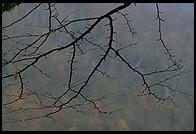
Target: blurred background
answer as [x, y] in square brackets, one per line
[132, 113]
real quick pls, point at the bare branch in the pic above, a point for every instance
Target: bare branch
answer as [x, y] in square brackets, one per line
[22, 17]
